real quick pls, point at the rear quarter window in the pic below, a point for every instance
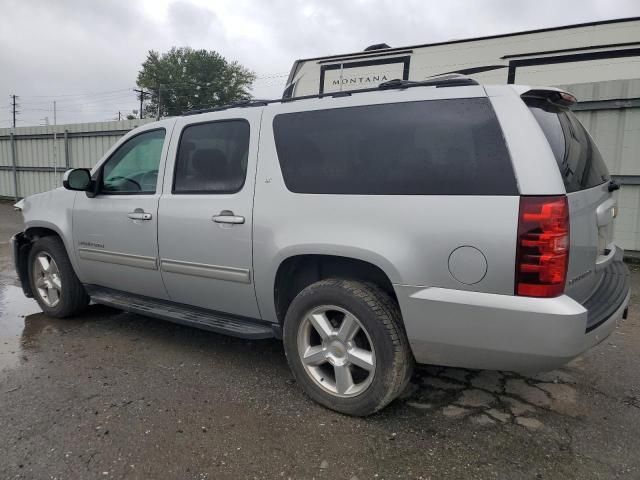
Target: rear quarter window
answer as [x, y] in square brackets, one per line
[435, 147]
[577, 155]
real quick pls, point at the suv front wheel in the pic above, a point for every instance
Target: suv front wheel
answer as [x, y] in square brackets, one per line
[54, 284]
[346, 346]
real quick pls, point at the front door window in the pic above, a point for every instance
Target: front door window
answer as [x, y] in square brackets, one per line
[133, 168]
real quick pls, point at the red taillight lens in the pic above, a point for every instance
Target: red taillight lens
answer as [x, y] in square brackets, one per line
[543, 246]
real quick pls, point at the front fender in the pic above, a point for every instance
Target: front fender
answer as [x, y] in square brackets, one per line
[52, 210]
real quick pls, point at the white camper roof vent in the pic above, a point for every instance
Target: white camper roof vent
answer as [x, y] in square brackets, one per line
[377, 46]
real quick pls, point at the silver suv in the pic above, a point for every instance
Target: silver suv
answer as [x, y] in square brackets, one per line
[440, 222]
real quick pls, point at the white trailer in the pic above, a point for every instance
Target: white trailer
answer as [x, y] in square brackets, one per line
[588, 52]
[599, 62]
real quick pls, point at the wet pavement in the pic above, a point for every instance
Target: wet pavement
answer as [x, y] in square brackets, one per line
[116, 395]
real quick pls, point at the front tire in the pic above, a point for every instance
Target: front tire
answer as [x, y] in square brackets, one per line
[346, 346]
[54, 284]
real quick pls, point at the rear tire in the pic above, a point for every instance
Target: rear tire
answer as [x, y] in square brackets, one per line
[54, 284]
[346, 346]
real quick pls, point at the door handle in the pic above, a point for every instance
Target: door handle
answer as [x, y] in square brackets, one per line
[227, 216]
[139, 216]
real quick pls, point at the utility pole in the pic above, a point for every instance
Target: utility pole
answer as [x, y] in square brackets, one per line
[119, 115]
[159, 100]
[13, 105]
[14, 160]
[142, 94]
[55, 146]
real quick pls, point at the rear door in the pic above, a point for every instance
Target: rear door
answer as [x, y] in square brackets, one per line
[205, 212]
[591, 205]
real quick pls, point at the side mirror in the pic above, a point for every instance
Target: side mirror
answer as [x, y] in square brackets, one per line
[77, 179]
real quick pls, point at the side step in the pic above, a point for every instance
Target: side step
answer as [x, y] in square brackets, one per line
[226, 324]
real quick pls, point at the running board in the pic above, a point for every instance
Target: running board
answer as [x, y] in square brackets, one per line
[226, 324]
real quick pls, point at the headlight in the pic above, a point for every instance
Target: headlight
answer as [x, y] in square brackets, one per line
[19, 205]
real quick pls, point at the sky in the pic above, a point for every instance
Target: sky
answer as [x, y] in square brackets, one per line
[85, 54]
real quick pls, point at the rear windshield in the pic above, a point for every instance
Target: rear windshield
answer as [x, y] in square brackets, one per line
[436, 147]
[579, 160]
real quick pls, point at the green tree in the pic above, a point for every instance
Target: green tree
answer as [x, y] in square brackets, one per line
[186, 79]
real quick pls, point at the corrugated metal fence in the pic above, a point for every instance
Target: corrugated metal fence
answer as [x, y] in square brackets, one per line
[33, 159]
[610, 111]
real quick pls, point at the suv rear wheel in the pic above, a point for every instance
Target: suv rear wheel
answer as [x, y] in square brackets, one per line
[54, 284]
[346, 346]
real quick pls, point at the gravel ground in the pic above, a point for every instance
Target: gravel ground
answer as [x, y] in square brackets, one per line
[116, 395]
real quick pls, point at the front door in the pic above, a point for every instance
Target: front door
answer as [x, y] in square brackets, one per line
[115, 232]
[205, 213]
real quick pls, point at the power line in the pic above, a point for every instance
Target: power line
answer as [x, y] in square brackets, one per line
[113, 100]
[77, 94]
[75, 100]
[104, 95]
[265, 76]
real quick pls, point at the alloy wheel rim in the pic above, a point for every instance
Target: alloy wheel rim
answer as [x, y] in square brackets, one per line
[47, 279]
[336, 351]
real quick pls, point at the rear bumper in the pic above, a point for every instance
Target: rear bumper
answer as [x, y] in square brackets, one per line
[610, 294]
[505, 332]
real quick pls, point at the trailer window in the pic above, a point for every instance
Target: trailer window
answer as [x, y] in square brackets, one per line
[436, 147]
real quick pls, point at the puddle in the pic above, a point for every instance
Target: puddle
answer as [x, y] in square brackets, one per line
[14, 307]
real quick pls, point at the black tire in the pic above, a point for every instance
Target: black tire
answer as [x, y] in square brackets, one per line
[380, 317]
[73, 298]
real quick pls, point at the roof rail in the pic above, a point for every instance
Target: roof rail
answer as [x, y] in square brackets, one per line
[450, 80]
[243, 103]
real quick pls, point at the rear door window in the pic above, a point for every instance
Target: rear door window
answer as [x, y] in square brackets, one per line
[578, 157]
[212, 158]
[435, 147]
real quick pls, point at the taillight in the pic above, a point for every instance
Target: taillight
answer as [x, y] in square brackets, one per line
[543, 246]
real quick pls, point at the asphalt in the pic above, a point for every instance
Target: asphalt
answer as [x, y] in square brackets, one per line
[117, 395]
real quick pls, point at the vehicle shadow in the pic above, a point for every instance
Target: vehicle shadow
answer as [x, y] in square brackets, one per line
[481, 397]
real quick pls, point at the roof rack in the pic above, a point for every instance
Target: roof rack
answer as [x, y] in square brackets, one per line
[241, 104]
[449, 80]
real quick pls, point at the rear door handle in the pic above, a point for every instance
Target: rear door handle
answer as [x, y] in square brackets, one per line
[227, 216]
[139, 216]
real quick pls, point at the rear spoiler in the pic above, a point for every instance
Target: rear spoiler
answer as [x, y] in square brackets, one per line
[554, 96]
